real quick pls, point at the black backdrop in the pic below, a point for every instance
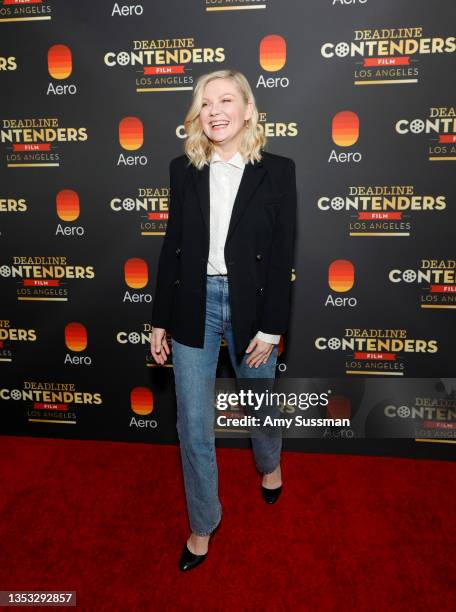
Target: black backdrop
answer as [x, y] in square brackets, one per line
[89, 196]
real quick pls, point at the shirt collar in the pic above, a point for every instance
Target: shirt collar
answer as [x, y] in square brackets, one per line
[235, 160]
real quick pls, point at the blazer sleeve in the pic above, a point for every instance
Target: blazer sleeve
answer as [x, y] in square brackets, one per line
[276, 303]
[168, 262]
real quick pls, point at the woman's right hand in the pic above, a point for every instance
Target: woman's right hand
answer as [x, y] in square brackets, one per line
[158, 345]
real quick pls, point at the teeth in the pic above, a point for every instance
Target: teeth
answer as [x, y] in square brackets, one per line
[217, 124]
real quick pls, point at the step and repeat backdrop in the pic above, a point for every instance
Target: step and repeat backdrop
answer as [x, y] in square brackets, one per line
[360, 93]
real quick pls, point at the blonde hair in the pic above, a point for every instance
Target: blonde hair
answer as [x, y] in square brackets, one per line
[198, 147]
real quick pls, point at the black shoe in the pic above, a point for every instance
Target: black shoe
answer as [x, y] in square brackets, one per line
[189, 560]
[270, 496]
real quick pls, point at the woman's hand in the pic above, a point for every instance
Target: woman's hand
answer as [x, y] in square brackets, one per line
[261, 352]
[158, 345]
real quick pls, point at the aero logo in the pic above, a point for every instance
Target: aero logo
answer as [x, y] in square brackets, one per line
[280, 347]
[136, 273]
[341, 275]
[345, 128]
[67, 205]
[131, 133]
[338, 407]
[60, 63]
[76, 336]
[141, 400]
[273, 52]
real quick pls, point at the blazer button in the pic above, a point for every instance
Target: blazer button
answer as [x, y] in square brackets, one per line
[177, 281]
[178, 251]
[259, 256]
[260, 289]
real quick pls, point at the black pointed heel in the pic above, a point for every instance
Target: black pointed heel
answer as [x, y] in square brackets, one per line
[270, 496]
[189, 560]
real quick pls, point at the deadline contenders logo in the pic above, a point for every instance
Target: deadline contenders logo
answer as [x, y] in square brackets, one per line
[387, 56]
[272, 129]
[439, 128]
[13, 205]
[149, 205]
[438, 416]
[25, 10]
[141, 337]
[164, 64]
[32, 143]
[44, 278]
[435, 416]
[8, 63]
[437, 281]
[235, 5]
[376, 351]
[381, 210]
[11, 335]
[278, 129]
[51, 402]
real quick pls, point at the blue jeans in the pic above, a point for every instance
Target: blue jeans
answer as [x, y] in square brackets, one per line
[194, 374]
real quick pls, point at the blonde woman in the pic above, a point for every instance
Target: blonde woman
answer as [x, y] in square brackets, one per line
[224, 269]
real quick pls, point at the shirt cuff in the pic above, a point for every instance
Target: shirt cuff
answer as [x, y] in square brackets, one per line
[272, 338]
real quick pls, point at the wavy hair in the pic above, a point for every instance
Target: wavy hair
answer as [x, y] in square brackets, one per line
[198, 147]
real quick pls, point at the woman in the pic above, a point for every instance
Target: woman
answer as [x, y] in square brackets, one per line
[224, 269]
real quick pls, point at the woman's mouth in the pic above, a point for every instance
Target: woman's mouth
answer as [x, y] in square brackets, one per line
[219, 125]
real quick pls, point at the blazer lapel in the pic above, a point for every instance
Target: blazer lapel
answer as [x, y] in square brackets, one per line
[251, 178]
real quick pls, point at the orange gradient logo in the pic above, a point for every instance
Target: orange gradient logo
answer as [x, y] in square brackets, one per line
[136, 273]
[67, 205]
[273, 52]
[131, 136]
[341, 275]
[60, 63]
[280, 347]
[141, 400]
[76, 336]
[345, 128]
[339, 407]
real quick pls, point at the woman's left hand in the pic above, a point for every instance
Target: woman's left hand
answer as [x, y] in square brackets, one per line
[261, 351]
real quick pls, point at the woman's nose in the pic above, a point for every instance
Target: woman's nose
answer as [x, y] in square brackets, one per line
[214, 111]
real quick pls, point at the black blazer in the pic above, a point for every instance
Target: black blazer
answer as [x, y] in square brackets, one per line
[258, 251]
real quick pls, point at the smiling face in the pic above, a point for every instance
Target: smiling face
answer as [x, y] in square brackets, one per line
[223, 113]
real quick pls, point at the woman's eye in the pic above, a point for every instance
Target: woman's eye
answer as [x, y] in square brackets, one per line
[224, 100]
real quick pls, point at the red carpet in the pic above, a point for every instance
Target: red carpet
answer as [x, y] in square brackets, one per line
[107, 519]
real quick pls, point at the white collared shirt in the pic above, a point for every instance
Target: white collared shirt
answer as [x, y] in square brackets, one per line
[224, 180]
